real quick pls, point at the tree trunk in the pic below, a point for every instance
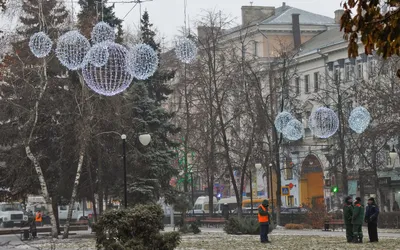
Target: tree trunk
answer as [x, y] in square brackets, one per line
[92, 192]
[74, 192]
[55, 210]
[43, 191]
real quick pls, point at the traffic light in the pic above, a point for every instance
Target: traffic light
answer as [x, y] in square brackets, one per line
[334, 189]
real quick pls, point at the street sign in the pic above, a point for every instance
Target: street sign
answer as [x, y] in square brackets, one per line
[285, 191]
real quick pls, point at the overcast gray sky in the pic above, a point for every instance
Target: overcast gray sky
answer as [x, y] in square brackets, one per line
[168, 17]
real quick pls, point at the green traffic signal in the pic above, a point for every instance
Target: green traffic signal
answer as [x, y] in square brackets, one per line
[334, 189]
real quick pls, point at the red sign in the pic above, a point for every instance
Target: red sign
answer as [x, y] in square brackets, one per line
[290, 185]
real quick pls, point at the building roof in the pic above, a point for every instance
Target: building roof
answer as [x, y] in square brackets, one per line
[283, 15]
[330, 37]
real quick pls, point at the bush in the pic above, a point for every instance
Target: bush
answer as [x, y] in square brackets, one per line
[134, 229]
[244, 226]
[294, 226]
[317, 216]
[306, 226]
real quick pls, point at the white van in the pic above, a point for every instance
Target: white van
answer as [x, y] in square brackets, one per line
[231, 201]
[201, 206]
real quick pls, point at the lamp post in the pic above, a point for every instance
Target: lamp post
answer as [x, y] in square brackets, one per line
[272, 190]
[251, 193]
[144, 140]
[191, 177]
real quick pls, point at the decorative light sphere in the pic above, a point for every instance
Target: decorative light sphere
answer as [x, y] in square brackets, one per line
[186, 50]
[71, 50]
[98, 54]
[102, 32]
[111, 78]
[324, 122]
[293, 130]
[281, 120]
[359, 119]
[40, 44]
[143, 61]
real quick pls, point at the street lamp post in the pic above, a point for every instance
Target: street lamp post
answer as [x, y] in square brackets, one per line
[123, 137]
[191, 177]
[272, 190]
[251, 193]
[144, 140]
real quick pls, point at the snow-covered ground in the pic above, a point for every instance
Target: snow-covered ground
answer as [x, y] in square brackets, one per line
[215, 238]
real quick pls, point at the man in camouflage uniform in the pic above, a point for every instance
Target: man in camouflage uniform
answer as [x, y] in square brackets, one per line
[347, 217]
[357, 221]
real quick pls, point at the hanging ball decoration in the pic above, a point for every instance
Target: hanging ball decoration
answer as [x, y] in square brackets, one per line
[143, 61]
[293, 130]
[185, 50]
[324, 122]
[111, 78]
[359, 119]
[71, 50]
[40, 44]
[102, 32]
[281, 120]
[98, 54]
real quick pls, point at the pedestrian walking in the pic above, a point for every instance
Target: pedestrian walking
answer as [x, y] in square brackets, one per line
[357, 221]
[264, 220]
[371, 217]
[347, 217]
[38, 218]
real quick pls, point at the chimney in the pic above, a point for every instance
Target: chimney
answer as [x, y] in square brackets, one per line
[338, 15]
[284, 5]
[296, 30]
[253, 14]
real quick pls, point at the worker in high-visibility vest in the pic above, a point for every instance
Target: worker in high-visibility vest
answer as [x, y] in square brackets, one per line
[264, 220]
[39, 218]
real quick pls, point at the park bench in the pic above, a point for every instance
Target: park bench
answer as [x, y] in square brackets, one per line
[212, 221]
[190, 219]
[333, 223]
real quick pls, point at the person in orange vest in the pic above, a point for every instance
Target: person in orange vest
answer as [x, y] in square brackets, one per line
[39, 218]
[264, 220]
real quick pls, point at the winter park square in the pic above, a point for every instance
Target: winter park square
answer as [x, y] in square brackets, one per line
[196, 125]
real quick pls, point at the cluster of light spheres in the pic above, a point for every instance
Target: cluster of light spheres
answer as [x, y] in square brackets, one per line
[40, 44]
[111, 78]
[186, 50]
[281, 120]
[143, 61]
[324, 122]
[98, 54]
[359, 119]
[102, 32]
[71, 50]
[293, 130]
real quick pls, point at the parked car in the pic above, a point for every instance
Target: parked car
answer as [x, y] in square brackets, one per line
[12, 214]
[294, 210]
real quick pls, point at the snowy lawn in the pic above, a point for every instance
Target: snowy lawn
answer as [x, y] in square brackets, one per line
[222, 241]
[281, 239]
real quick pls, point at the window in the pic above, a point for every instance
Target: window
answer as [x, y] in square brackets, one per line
[306, 83]
[359, 70]
[316, 81]
[255, 48]
[289, 170]
[348, 71]
[290, 202]
[297, 82]
[337, 74]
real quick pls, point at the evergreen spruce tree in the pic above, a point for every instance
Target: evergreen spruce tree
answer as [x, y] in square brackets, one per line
[91, 13]
[158, 90]
[33, 99]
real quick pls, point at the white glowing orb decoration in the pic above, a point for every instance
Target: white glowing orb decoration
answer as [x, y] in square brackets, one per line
[111, 78]
[71, 50]
[281, 120]
[143, 61]
[294, 130]
[40, 44]
[102, 32]
[185, 50]
[324, 122]
[359, 119]
[98, 54]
